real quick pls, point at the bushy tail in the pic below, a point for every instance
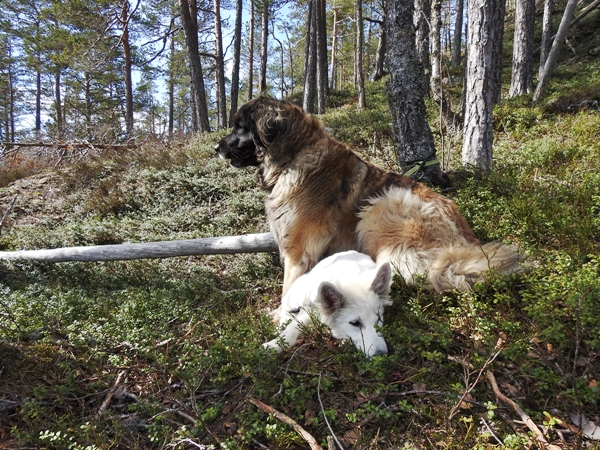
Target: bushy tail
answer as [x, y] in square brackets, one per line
[460, 267]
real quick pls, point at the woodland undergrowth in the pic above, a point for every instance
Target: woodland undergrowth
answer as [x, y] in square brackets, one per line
[162, 354]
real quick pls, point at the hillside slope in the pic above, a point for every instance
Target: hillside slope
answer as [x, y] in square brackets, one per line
[157, 354]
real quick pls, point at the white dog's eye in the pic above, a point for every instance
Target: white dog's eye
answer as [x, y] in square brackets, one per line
[294, 311]
[356, 323]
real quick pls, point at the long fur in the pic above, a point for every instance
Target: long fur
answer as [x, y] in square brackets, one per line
[347, 292]
[323, 198]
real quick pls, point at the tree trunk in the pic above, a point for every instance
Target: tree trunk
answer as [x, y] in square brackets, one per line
[58, 105]
[10, 124]
[128, 69]
[360, 38]
[321, 35]
[499, 12]
[546, 33]
[546, 73]
[310, 60]
[189, 21]
[171, 84]
[88, 106]
[235, 71]
[413, 136]
[264, 47]
[251, 54]
[282, 84]
[248, 243]
[435, 44]
[38, 104]
[219, 69]
[482, 42]
[522, 63]
[422, 14]
[334, 44]
[379, 71]
[437, 88]
[458, 29]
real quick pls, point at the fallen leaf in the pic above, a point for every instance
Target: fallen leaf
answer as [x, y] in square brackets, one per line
[309, 414]
[466, 405]
[582, 361]
[509, 387]
[588, 428]
[419, 386]
[351, 436]
[227, 408]
[230, 427]
[593, 384]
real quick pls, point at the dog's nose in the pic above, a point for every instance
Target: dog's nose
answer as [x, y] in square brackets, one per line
[380, 351]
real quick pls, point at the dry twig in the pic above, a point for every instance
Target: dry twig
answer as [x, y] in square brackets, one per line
[325, 415]
[500, 346]
[110, 394]
[8, 210]
[287, 420]
[524, 417]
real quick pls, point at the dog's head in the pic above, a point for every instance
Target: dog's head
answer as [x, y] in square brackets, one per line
[354, 310]
[265, 127]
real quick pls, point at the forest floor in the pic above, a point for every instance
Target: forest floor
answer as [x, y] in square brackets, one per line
[161, 354]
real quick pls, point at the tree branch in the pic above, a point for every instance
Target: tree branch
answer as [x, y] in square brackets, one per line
[287, 420]
[249, 243]
[524, 417]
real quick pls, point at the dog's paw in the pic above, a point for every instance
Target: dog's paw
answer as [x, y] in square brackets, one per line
[275, 344]
[276, 314]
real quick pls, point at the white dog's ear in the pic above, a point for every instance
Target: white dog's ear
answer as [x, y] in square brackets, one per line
[330, 297]
[383, 280]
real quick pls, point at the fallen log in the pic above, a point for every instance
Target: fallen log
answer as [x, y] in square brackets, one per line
[247, 243]
[68, 145]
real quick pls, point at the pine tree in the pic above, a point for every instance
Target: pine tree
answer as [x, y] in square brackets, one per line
[414, 140]
[522, 63]
[484, 37]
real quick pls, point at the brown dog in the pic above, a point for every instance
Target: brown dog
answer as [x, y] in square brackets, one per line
[322, 198]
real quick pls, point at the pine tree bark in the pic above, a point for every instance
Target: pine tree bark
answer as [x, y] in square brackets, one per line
[58, 105]
[10, 119]
[360, 38]
[522, 63]
[128, 69]
[171, 86]
[334, 45]
[483, 35]
[546, 73]
[251, 53]
[38, 103]
[437, 88]
[413, 137]
[435, 45]
[321, 35]
[546, 33]
[189, 21]
[219, 69]
[498, 10]
[235, 71]
[379, 71]
[310, 60]
[264, 47]
[458, 29]
[422, 15]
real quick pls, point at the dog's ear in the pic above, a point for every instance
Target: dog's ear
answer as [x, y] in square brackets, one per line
[383, 280]
[271, 119]
[330, 298]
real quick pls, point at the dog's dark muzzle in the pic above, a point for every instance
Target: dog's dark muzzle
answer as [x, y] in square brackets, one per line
[240, 152]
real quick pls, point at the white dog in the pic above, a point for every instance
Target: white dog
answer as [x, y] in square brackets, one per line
[347, 292]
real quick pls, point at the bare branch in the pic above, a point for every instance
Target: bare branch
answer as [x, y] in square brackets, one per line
[250, 243]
